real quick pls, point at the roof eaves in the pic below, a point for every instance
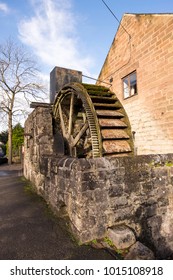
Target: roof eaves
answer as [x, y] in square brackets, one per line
[143, 14]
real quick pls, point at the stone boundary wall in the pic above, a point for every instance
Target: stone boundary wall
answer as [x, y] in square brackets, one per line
[98, 194]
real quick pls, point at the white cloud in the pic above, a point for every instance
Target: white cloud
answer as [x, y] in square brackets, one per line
[4, 8]
[52, 34]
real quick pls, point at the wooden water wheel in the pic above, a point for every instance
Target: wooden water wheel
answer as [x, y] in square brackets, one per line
[92, 122]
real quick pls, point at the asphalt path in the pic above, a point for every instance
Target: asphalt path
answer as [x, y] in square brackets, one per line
[29, 231]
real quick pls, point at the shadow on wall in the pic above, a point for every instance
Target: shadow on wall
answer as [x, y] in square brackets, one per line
[151, 230]
[148, 187]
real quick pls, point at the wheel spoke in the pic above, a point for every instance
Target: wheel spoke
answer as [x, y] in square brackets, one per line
[84, 117]
[62, 120]
[71, 114]
[79, 135]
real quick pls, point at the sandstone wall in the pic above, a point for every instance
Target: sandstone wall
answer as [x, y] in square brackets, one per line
[149, 52]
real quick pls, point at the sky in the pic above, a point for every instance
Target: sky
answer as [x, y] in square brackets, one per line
[74, 34]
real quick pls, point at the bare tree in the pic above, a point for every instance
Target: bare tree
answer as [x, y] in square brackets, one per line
[18, 83]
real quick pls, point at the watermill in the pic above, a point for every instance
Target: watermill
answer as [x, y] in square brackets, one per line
[92, 122]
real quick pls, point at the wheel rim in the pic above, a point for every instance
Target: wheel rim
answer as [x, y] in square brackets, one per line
[77, 122]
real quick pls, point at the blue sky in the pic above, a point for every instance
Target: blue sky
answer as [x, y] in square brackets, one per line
[74, 34]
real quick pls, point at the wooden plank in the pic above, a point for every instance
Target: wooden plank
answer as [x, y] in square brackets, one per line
[112, 123]
[116, 146]
[114, 134]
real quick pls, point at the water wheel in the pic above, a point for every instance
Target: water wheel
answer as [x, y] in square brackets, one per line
[92, 122]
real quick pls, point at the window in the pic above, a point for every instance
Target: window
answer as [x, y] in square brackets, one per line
[130, 85]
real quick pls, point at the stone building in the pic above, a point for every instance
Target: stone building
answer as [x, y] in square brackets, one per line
[139, 65]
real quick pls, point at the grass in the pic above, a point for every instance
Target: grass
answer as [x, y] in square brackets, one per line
[118, 253]
[108, 241]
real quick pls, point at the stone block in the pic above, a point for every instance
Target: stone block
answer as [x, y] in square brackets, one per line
[138, 251]
[104, 174]
[118, 202]
[160, 172]
[171, 171]
[85, 186]
[120, 215]
[59, 77]
[84, 164]
[100, 163]
[144, 174]
[132, 187]
[122, 236]
[116, 178]
[171, 179]
[116, 190]
[100, 196]
[91, 180]
[147, 186]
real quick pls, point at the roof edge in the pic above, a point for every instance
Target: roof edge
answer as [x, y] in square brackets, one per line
[143, 14]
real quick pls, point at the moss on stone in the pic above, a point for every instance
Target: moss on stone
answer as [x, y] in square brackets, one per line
[168, 163]
[160, 164]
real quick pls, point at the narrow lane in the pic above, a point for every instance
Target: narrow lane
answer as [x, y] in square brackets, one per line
[29, 231]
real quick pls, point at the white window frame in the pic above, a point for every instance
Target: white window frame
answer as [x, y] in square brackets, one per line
[129, 87]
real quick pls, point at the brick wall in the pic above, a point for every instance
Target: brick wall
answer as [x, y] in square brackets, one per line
[150, 53]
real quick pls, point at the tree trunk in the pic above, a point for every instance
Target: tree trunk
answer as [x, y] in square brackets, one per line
[10, 137]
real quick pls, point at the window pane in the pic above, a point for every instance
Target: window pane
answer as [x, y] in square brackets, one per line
[126, 88]
[133, 84]
[130, 85]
